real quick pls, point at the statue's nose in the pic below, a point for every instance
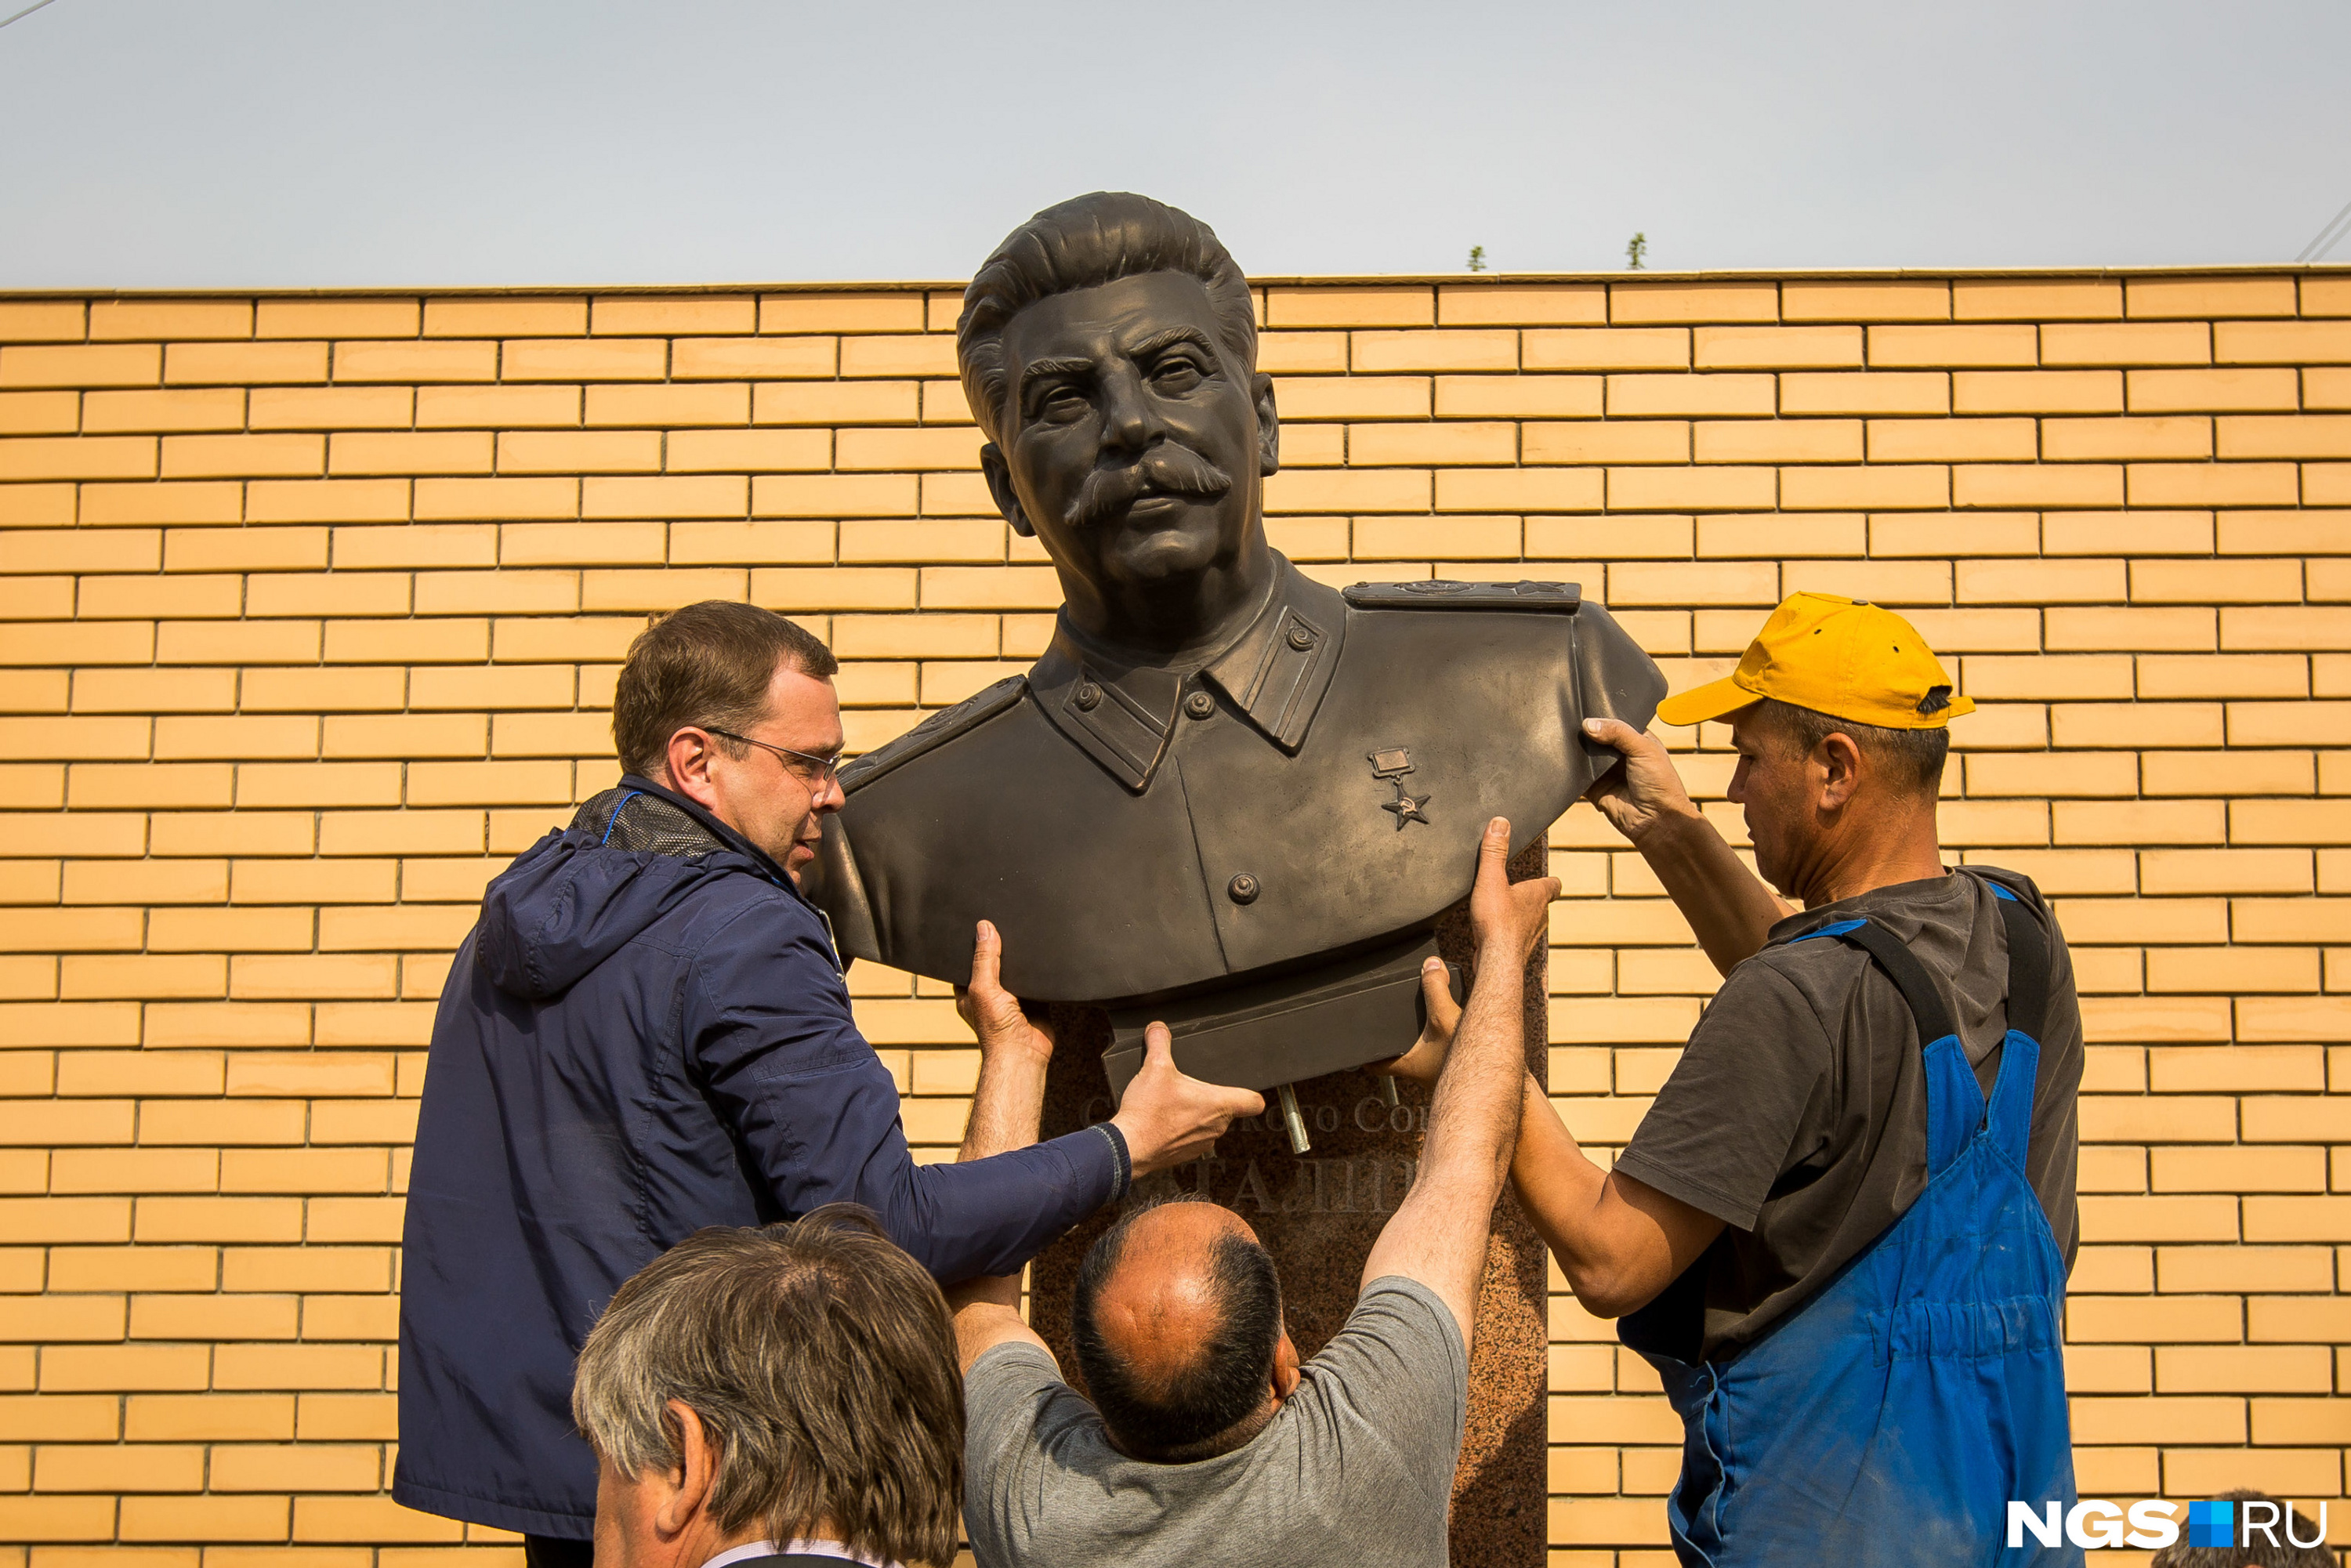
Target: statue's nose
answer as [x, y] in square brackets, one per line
[1129, 422]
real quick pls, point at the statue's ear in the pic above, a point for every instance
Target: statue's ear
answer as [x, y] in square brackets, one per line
[1269, 427]
[999, 485]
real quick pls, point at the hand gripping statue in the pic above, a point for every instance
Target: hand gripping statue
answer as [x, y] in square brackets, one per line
[1227, 796]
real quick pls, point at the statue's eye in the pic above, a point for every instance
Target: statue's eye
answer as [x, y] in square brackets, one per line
[1176, 374]
[1061, 400]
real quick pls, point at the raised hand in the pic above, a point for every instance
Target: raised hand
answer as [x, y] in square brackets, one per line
[994, 1013]
[1508, 917]
[1644, 788]
[1425, 1060]
[1169, 1119]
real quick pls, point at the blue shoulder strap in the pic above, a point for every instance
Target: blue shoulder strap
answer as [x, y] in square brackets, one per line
[2028, 1009]
[1955, 1101]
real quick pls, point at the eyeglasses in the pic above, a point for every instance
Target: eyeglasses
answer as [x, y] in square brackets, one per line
[817, 771]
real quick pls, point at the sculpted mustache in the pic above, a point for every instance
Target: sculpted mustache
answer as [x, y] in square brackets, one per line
[1176, 470]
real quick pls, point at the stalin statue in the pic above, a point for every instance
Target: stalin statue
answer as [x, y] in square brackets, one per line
[1227, 796]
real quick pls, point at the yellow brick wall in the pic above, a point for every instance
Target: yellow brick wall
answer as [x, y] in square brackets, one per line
[310, 607]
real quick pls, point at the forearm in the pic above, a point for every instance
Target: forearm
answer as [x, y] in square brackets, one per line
[1473, 1118]
[1558, 1184]
[1006, 1106]
[1726, 904]
[1618, 1241]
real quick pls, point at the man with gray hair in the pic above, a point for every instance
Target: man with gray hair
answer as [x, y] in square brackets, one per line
[773, 1396]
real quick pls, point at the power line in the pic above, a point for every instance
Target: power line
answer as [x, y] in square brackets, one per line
[28, 11]
[2328, 237]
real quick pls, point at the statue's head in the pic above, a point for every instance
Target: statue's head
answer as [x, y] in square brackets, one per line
[1109, 349]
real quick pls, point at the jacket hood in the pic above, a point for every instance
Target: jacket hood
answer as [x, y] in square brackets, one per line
[574, 899]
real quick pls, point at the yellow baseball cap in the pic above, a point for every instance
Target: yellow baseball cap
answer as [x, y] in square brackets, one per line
[1844, 657]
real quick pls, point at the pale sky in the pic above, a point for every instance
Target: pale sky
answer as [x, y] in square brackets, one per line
[321, 143]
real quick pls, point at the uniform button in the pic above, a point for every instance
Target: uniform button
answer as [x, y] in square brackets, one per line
[1243, 889]
[1088, 695]
[1301, 637]
[1200, 704]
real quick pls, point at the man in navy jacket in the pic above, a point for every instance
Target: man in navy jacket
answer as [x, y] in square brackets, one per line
[647, 1032]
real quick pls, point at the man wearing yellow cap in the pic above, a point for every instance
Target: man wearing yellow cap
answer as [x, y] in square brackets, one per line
[1841, 1232]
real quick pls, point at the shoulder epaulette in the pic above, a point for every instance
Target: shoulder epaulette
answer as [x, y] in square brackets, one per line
[1444, 593]
[935, 731]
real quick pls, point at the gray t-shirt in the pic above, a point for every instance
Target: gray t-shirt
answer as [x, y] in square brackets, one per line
[1797, 1115]
[1355, 1468]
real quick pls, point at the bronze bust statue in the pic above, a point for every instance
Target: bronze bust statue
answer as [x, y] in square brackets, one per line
[1228, 795]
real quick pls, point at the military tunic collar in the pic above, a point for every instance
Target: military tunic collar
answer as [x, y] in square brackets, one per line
[1274, 674]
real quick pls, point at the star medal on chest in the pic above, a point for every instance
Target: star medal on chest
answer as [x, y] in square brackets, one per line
[1389, 765]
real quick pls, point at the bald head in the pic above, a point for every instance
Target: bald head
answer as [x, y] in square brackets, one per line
[1178, 1324]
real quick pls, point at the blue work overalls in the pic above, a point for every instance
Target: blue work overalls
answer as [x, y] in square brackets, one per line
[1892, 1418]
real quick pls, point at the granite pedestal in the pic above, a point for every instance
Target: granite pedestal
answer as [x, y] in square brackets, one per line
[1318, 1215]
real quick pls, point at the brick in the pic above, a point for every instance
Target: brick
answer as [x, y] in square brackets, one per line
[835, 495]
[583, 360]
[337, 319]
[657, 590]
[143, 597]
[39, 413]
[1952, 346]
[1773, 441]
[1640, 396]
[494, 592]
[2282, 342]
[411, 452]
[534, 640]
[1639, 302]
[1691, 489]
[2216, 484]
[1457, 350]
[39, 1519]
[2286, 724]
[2037, 391]
[1453, 443]
[1376, 490]
[2238, 1369]
[752, 357]
[1606, 348]
[2295, 435]
[629, 315]
[2211, 392]
[390, 641]
[206, 1519]
[1489, 397]
[838, 312]
[1340, 306]
[40, 320]
[242, 456]
[82, 365]
[2246, 582]
[1856, 487]
[78, 458]
[497, 407]
[672, 497]
[927, 355]
[221, 408]
[2132, 343]
[2100, 628]
[1520, 305]
[976, 539]
[2015, 484]
[244, 550]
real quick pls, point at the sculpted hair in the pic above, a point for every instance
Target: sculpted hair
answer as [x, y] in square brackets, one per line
[1190, 1412]
[1913, 757]
[821, 1362]
[1082, 244]
[710, 665]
